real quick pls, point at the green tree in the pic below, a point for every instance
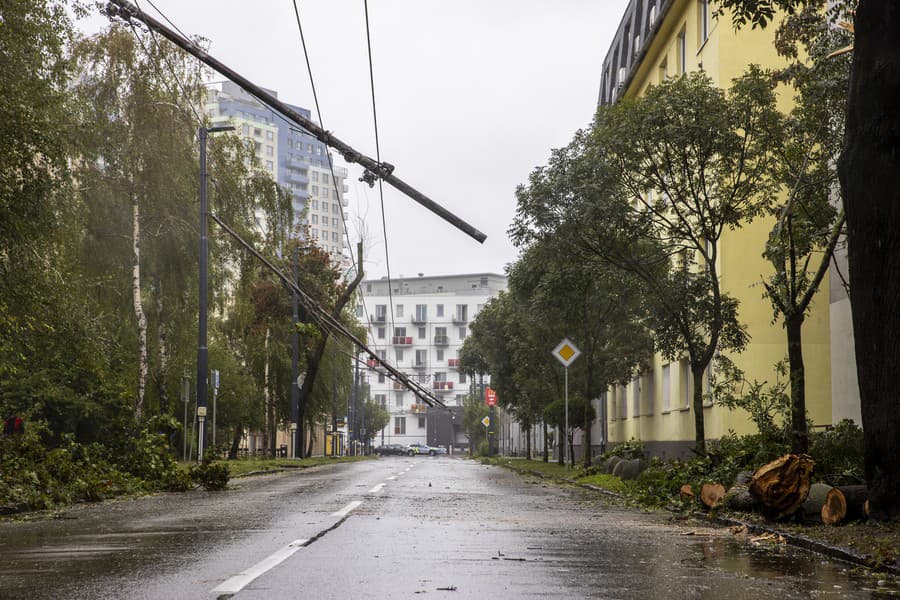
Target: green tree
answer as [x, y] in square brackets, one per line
[581, 414]
[808, 225]
[869, 168]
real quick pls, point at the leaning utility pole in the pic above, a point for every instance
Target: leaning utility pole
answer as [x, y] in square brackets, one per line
[374, 170]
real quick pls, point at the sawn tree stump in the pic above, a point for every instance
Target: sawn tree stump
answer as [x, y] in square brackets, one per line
[782, 485]
[711, 494]
[845, 504]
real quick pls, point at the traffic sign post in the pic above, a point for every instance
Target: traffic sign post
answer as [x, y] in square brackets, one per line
[566, 352]
[490, 398]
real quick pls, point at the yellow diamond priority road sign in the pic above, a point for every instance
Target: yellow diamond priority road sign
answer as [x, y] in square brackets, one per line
[486, 421]
[566, 352]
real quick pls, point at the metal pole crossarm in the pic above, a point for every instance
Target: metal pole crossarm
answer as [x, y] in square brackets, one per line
[126, 10]
[313, 306]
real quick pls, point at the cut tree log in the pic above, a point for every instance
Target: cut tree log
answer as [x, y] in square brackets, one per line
[782, 485]
[740, 499]
[845, 503]
[610, 464]
[743, 478]
[812, 509]
[628, 469]
[711, 494]
[686, 492]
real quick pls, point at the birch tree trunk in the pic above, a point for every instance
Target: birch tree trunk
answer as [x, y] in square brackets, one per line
[266, 393]
[144, 364]
[162, 334]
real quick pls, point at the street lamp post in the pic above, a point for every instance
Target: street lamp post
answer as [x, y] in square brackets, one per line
[202, 351]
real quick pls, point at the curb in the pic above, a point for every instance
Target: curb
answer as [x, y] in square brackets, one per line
[799, 541]
[810, 544]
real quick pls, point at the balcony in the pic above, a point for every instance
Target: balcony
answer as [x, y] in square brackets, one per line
[441, 340]
[442, 386]
[371, 363]
[460, 319]
[401, 341]
[376, 318]
[418, 408]
[418, 319]
[419, 366]
[453, 362]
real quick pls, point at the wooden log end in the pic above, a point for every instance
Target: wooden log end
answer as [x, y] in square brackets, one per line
[711, 494]
[686, 492]
[835, 508]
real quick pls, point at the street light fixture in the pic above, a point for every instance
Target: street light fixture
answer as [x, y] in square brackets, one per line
[202, 350]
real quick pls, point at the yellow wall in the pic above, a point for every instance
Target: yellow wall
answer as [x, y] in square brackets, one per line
[725, 55]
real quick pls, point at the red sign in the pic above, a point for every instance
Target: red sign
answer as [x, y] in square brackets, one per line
[490, 397]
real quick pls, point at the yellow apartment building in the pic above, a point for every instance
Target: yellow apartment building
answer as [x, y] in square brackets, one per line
[664, 38]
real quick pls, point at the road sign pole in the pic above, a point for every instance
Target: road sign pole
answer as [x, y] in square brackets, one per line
[566, 432]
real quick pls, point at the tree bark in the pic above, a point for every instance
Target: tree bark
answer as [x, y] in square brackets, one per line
[266, 392]
[546, 443]
[699, 427]
[811, 510]
[236, 442]
[528, 442]
[844, 504]
[162, 335]
[137, 303]
[869, 169]
[799, 433]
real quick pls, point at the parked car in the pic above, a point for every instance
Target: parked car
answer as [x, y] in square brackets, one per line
[416, 448]
[391, 449]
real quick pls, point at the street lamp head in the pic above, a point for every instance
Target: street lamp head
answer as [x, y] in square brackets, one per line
[217, 128]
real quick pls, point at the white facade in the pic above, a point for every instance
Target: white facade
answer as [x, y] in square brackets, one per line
[419, 327]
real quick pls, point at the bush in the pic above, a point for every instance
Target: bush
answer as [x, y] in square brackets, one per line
[628, 450]
[838, 453]
[211, 475]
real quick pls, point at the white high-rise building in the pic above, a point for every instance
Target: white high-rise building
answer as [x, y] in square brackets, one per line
[418, 325]
[295, 159]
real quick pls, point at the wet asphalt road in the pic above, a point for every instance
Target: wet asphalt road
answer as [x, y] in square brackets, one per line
[396, 527]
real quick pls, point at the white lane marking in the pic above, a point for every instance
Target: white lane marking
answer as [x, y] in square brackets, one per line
[376, 489]
[347, 509]
[392, 477]
[239, 581]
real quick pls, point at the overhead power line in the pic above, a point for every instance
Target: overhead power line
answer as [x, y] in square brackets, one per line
[127, 11]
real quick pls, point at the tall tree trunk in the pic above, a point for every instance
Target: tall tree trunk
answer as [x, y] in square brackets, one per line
[560, 444]
[546, 443]
[162, 335]
[144, 360]
[586, 444]
[869, 170]
[699, 427]
[799, 433]
[266, 391]
[236, 442]
[528, 442]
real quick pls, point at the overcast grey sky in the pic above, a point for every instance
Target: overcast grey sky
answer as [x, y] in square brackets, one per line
[471, 96]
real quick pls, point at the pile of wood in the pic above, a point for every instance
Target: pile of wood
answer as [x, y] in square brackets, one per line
[782, 488]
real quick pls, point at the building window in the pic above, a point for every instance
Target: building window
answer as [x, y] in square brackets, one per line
[666, 398]
[269, 165]
[421, 422]
[315, 190]
[462, 377]
[269, 135]
[315, 175]
[381, 333]
[398, 354]
[636, 397]
[315, 205]
[381, 378]
[315, 219]
[648, 391]
[459, 399]
[421, 313]
[682, 53]
[687, 386]
[400, 332]
[360, 310]
[400, 311]
[462, 312]
[380, 312]
[622, 395]
[462, 333]
[421, 357]
[704, 20]
[440, 355]
[381, 400]
[421, 333]
[399, 425]
[398, 400]
[440, 310]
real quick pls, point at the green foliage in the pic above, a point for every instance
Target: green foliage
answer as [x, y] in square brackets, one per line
[211, 475]
[838, 453]
[627, 450]
[580, 412]
[768, 405]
